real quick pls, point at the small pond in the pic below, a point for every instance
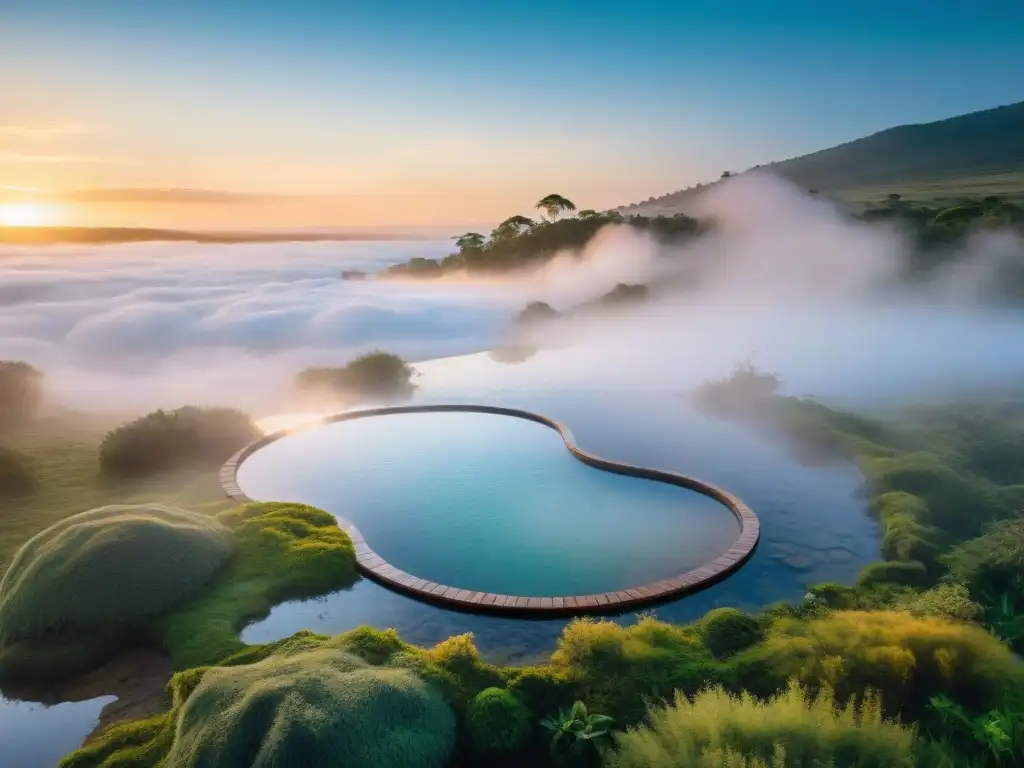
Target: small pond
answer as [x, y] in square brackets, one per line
[34, 735]
[491, 503]
[814, 524]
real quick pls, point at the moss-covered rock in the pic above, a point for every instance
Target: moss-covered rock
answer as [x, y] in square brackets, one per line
[322, 707]
[86, 583]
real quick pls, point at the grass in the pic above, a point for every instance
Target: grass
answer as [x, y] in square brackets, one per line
[947, 191]
[64, 452]
[282, 551]
[794, 729]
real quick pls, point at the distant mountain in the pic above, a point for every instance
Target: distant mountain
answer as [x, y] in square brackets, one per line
[975, 154]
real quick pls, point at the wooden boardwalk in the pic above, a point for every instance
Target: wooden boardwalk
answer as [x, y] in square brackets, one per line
[375, 567]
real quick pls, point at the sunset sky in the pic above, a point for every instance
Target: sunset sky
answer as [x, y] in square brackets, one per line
[372, 114]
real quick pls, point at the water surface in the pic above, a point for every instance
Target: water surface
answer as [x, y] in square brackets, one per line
[814, 522]
[491, 503]
[34, 735]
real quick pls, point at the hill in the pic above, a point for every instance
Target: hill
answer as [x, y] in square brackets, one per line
[977, 154]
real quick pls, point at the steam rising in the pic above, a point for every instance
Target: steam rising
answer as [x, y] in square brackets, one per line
[787, 279]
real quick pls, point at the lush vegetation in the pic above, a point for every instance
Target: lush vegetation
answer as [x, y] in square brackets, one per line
[165, 440]
[520, 242]
[375, 375]
[21, 393]
[282, 552]
[88, 584]
[497, 722]
[715, 729]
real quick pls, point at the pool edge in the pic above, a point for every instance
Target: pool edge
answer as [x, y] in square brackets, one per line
[375, 567]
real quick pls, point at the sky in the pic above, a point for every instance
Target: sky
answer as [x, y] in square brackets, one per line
[256, 115]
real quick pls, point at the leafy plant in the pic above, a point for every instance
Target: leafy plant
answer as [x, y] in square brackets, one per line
[999, 732]
[575, 730]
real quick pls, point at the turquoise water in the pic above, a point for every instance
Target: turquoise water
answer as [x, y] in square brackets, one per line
[815, 525]
[491, 503]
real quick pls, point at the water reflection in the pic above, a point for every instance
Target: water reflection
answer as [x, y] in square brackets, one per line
[34, 735]
[814, 526]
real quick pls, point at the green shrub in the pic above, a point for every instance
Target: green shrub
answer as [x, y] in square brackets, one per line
[100, 575]
[610, 663]
[795, 729]
[725, 631]
[21, 393]
[908, 574]
[311, 709]
[992, 563]
[374, 375]
[165, 440]
[544, 689]
[497, 722]
[16, 473]
[282, 551]
[907, 659]
[946, 601]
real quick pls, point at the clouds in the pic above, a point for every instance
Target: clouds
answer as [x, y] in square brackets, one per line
[159, 324]
[786, 279]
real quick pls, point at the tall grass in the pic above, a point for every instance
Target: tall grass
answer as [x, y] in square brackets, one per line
[794, 730]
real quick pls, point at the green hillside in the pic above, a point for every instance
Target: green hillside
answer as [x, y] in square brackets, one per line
[978, 154]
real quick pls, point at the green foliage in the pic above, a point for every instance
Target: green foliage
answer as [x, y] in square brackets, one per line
[998, 734]
[16, 472]
[726, 631]
[907, 659]
[910, 574]
[164, 440]
[614, 666]
[497, 722]
[376, 374]
[716, 730]
[575, 730]
[21, 393]
[992, 563]
[282, 551]
[317, 708]
[96, 578]
[737, 393]
[946, 601]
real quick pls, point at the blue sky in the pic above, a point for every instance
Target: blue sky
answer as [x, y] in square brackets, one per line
[416, 112]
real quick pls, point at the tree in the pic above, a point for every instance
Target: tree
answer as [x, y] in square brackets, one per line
[588, 213]
[511, 227]
[726, 174]
[471, 241]
[553, 205]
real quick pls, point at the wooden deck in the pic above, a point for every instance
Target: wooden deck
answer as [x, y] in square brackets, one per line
[375, 567]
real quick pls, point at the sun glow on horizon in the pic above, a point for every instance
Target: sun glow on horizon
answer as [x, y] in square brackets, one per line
[27, 214]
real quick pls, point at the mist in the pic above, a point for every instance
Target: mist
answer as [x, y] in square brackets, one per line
[787, 280]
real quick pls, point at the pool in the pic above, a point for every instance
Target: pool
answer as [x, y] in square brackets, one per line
[500, 506]
[34, 735]
[814, 522]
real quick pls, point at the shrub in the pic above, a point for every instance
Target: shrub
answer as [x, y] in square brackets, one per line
[102, 574]
[317, 708]
[21, 393]
[537, 312]
[374, 375]
[725, 631]
[497, 722]
[908, 574]
[165, 440]
[907, 659]
[794, 729]
[993, 563]
[16, 474]
[610, 663]
[946, 601]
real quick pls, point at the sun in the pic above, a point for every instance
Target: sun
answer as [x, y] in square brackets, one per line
[26, 214]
